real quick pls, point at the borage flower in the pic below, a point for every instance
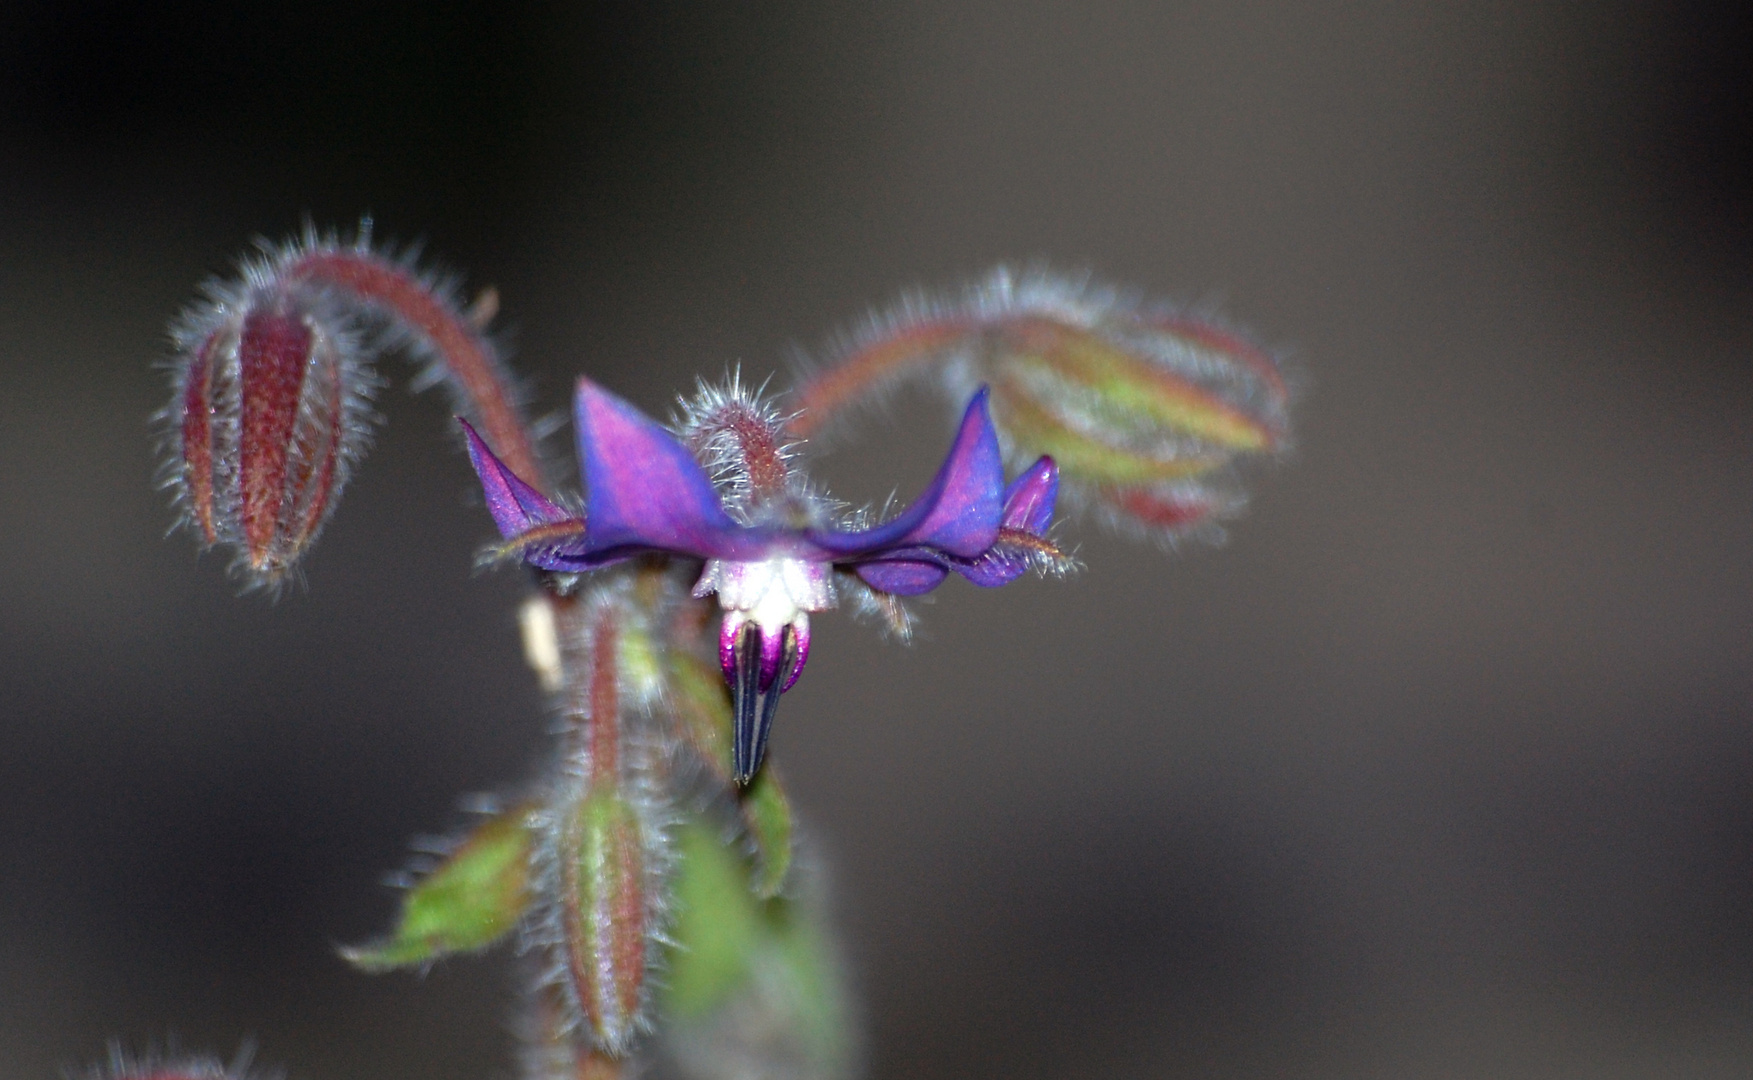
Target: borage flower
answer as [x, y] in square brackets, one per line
[775, 562]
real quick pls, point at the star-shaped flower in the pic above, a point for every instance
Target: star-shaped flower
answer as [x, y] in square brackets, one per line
[645, 492]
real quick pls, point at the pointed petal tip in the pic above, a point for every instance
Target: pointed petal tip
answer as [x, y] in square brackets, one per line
[479, 453]
[1030, 498]
[967, 497]
[978, 414]
[516, 506]
[588, 393]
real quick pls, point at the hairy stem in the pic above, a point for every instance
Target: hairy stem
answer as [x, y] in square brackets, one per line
[821, 398]
[468, 359]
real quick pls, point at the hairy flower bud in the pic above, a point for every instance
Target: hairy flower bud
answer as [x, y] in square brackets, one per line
[603, 912]
[272, 410]
[1146, 411]
[273, 377]
[1144, 415]
[602, 854]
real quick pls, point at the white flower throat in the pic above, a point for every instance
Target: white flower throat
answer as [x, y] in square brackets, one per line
[773, 592]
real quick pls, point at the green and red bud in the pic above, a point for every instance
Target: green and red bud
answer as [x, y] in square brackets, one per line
[603, 852]
[605, 916]
[1145, 412]
[1146, 417]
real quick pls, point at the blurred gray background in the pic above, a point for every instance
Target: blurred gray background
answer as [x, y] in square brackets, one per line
[1441, 767]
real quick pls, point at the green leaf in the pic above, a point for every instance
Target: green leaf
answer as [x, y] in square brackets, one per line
[717, 923]
[767, 814]
[769, 959]
[816, 984]
[472, 899]
[702, 705]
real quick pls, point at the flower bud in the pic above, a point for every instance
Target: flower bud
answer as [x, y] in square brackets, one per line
[1144, 416]
[602, 854]
[273, 377]
[270, 414]
[605, 917]
[1145, 411]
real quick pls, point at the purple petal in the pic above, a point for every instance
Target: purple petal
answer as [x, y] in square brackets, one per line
[999, 566]
[568, 558]
[521, 512]
[645, 490]
[959, 512]
[801, 636]
[1028, 501]
[516, 506]
[1028, 507]
[902, 577]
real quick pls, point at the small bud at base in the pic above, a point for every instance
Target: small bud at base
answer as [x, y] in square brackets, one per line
[152, 1066]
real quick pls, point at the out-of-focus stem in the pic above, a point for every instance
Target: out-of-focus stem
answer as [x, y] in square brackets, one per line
[588, 639]
[555, 1052]
[604, 736]
[466, 356]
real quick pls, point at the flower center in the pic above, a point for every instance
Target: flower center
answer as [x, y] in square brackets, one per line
[764, 640]
[772, 592]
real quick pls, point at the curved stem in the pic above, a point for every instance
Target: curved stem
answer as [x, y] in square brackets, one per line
[886, 357]
[468, 359]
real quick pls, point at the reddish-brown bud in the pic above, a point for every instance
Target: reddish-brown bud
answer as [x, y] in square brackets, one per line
[271, 412]
[273, 378]
[602, 855]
